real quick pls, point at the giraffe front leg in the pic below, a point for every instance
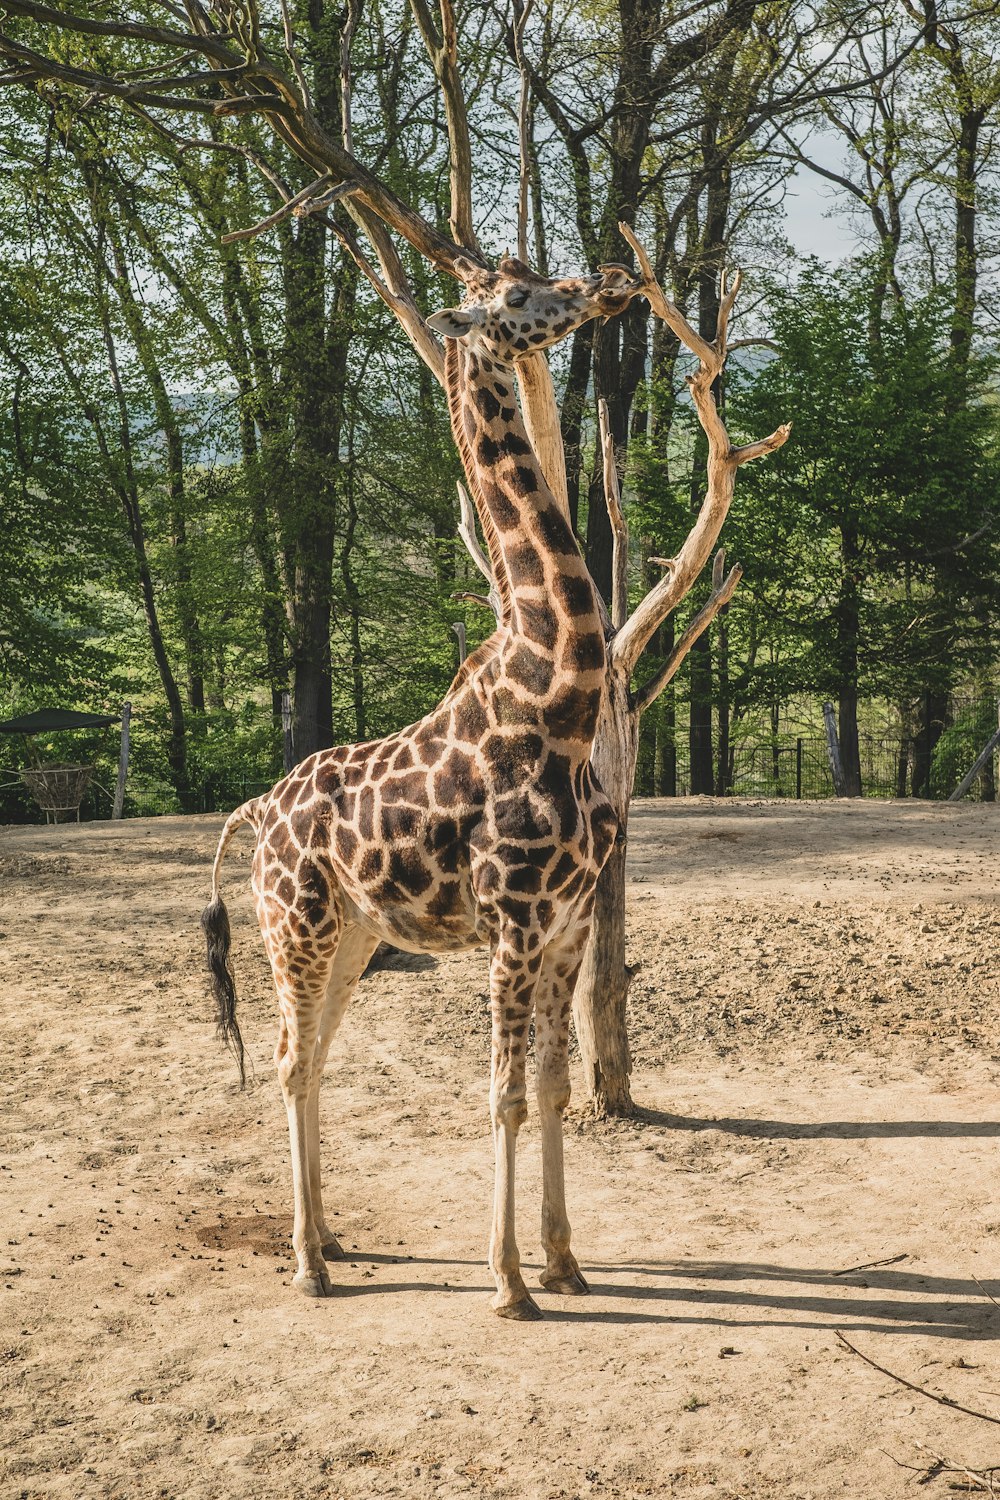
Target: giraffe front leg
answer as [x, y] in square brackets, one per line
[553, 1005]
[511, 998]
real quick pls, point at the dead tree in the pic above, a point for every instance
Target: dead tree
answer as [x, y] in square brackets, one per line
[602, 990]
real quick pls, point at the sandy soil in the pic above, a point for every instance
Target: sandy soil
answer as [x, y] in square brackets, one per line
[817, 1054]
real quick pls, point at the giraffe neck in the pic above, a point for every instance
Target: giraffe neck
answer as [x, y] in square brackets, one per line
[555, 654]
[455, 378]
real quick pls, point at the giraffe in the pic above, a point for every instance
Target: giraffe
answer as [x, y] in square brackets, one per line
[481, 824]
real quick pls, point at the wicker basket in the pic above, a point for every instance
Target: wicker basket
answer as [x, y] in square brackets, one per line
[58, 790]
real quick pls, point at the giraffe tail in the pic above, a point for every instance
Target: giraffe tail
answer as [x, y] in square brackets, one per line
[215, 925]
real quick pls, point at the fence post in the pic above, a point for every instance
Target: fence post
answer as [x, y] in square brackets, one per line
[833, 750]
[798, 770]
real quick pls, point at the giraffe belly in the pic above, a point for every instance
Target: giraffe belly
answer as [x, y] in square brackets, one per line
[416, 930]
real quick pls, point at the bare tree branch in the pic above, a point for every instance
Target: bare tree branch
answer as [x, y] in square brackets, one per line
[293, 57]
[467, 531]
[723, 589]
[312, 190]
[162, 36]
[521, 13]
[267, 90]
[920, 1390]
[346, 86]
[442, 48]
[753, 343]
[723, 461]
[398, 299]
[541, 418]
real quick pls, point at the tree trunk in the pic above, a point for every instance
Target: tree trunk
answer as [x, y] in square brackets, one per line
[353, 597]
[189, 625]
[571, 417]
[723, 755]
[847, 618]
[700, 731]
[601, 996]
[319, 308]
[128, 493]
[319, 344]
[665, 750]
[932, 718]
[618, 368]
[602, 1029]
[902, 764]
[716, 217]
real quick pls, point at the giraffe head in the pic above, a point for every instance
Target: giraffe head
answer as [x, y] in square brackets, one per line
[512, 311]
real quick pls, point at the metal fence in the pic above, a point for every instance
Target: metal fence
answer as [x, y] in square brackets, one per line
[784, 767]
[799, 767]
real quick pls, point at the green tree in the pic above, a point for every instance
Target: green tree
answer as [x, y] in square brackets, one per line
[887, 487]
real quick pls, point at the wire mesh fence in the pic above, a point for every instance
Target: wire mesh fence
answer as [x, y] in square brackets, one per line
[785, 766]
[799, 767]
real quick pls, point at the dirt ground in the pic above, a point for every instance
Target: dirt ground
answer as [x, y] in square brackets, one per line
[817, 1057]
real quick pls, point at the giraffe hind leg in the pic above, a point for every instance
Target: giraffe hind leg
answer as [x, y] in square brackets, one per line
[301, 974]
[350, 961]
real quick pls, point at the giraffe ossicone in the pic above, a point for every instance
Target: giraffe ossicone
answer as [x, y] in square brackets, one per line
[480, 825]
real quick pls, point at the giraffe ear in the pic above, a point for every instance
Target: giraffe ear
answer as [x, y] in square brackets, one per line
[455, 322]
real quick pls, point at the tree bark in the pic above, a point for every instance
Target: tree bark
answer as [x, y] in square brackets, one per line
[722, 772]
[601, 1025]
[932, 720]
[700, 725]
[188, 622]
[571, 417]
[309, 524]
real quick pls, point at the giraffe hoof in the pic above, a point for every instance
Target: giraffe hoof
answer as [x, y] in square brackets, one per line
[571, 1285]
[313, 1284]
[331, 1249]
[524, 1311]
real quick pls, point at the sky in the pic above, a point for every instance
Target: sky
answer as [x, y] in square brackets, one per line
[809, 223]
[815, 218]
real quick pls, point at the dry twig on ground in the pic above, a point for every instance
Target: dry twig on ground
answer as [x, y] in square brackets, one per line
[920, 1390]
[870, 1265]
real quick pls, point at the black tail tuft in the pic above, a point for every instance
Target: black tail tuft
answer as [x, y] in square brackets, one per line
[215, 925]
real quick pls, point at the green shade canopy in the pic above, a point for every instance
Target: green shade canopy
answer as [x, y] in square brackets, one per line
[45, 720]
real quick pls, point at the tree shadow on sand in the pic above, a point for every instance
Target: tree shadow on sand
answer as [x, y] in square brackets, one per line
[811, 1130]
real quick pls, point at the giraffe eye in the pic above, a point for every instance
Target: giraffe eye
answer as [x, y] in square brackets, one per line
[517, 298]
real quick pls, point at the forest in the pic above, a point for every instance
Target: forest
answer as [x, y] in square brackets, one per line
[227, 478]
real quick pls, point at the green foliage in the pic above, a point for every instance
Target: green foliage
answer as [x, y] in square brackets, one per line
[960, 744]
[871, 531]
[224, 473]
